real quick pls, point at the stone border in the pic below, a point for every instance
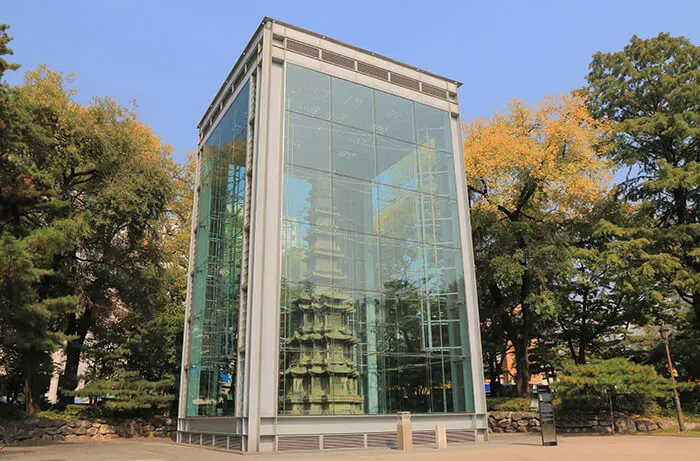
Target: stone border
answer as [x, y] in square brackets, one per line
[39, 430]
[511, 422]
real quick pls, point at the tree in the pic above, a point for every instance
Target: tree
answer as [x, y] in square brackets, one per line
[609, 285]
[127, 394]
[649, 90]
[5, 50]
[88, 185]
[27, 249]
[637, 387]
[528, 170]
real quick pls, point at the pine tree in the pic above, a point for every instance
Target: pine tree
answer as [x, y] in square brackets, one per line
[651, 92]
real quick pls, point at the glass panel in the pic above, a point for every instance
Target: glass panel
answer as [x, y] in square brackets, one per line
[436, 172]
[401, 266]
[393, 116]
[357, 260]
[352, 104]
[215, 301]
[440, 221]
[299, 264]
[372, 317]
[356, 202]
[443, 270]
[399, 213]
[396, 163]
[353, 152]
[307, 196]
[308, 92]
[321, 258]
[433, 127]
[308, 142]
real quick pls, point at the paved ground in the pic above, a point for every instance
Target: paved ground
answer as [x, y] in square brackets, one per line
[501, 447]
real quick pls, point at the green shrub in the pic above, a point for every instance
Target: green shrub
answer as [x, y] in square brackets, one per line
[638, 388]
[73, 412]
[126, 395]
[507, 404]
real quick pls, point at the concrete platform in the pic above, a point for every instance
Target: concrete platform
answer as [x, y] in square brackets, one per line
[501, 447]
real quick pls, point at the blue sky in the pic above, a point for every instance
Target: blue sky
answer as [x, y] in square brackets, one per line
[173, 55]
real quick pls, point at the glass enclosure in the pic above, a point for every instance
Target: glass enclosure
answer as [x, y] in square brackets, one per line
[215, 302]
[373, 316]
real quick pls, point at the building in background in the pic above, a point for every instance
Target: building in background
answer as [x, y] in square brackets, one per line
[331, 274]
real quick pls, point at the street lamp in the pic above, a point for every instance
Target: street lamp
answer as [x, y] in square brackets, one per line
[665, 330]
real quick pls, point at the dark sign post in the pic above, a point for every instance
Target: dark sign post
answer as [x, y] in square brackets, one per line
[548, 427]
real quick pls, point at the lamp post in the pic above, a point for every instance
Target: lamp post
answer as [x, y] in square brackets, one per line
[611, 391]
[665, 330]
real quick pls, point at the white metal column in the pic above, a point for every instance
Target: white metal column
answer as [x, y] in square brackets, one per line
[262, 342]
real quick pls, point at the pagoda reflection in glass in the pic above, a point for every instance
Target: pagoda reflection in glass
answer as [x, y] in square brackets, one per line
[373, 319]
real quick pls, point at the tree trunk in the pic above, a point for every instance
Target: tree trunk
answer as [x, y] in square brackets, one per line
[29, 403]
[522, 350]
[68, 381]
[522, 364]
[696, 309]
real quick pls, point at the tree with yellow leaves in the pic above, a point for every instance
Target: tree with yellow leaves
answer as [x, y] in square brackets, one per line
[530, 171]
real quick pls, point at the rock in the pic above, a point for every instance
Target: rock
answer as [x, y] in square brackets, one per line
[51, 423]
[645, 425]
[535, 422]
[80, 430]
[107, 429]
[74, 423]
[601, 429]
[667, 424]
[625, 424]
[93, 431]
[51, 430]
[65, 430]
[504, 423]
[24, 434]
[691, 426]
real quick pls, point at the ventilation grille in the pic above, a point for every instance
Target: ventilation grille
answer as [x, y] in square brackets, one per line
[302, 48]
[216, 112]
[252, 61]
[365, 68]
[434, 91]
[338, 60]
[222, 441]
[239, 79]
[381, 440]
[405, 81]
[423, 438]
[460, 436]
[298, 442]
[342, 441]
[373, 71]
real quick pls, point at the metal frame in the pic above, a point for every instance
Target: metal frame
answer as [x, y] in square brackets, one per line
[257, 422]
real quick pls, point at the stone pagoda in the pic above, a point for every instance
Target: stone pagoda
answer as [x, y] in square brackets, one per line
[324, 377]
